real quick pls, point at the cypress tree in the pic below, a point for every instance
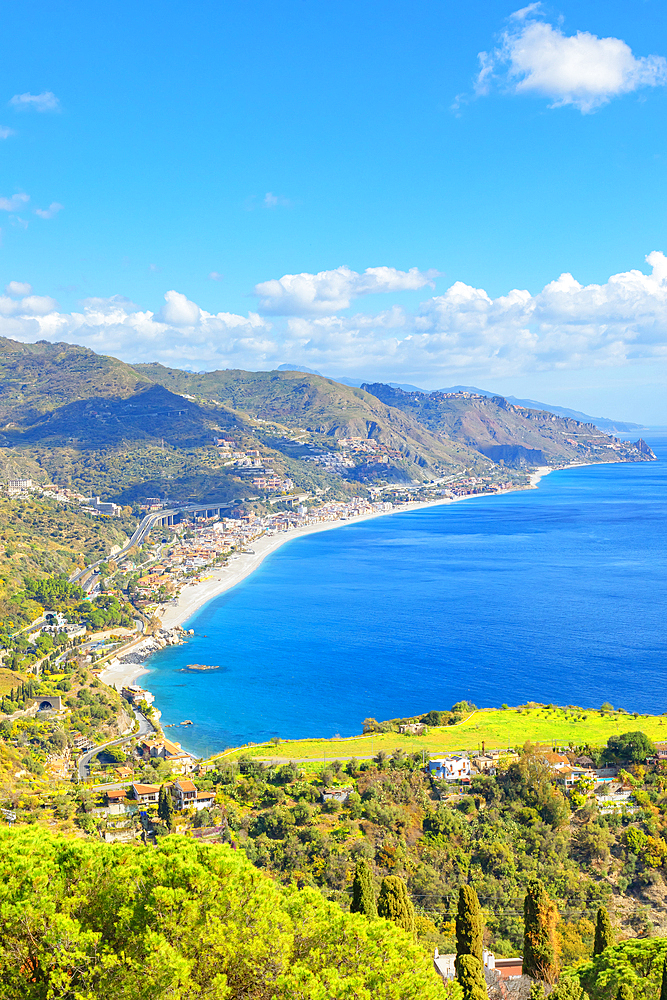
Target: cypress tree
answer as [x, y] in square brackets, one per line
[470, 976]
[604, 936]
[363, 893]
[469, 927]
[540, 952]
[663, 984]
[165, 807]
[395, 904]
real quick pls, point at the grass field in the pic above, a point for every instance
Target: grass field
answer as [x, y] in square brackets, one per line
[496, 728]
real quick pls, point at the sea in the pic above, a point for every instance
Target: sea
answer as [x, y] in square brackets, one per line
[555, 595]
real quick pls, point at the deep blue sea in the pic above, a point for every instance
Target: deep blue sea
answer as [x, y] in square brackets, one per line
[553, 595]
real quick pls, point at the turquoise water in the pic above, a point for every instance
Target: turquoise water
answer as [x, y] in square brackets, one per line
[552, 595]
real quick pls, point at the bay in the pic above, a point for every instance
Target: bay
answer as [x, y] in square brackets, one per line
[553, 595]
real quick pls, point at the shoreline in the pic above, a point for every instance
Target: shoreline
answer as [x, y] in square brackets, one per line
[224, 579]
[195, 596]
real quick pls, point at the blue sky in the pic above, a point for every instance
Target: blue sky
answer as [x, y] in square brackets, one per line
[198, 151]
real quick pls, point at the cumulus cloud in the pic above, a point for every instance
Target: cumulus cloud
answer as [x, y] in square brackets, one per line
[46, 101]
[48, 213]
[15, 203]
[582, 70]
[6, 132]
[463, 333]
[18, 288]
[331, 291]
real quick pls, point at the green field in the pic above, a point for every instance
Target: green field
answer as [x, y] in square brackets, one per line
[496, 728]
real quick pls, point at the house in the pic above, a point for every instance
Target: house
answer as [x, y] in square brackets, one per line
[556, 761]
[509, 968]
[114, 796]
[414, 728]
[611, 796]
[205, 800]
[444, 965]
[135, 694]
[123, 773]
[336, 794]
[455, 768]
[145, 793]
[506, 968]
[178, 759]
[186, 795]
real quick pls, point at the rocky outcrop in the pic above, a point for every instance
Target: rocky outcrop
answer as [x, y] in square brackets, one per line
[644, 449]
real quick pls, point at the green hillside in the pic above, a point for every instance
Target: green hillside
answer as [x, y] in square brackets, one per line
[127, 432]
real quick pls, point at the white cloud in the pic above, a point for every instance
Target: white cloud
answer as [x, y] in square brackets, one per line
[216, 276]
[46, 101]
[30, 306]
[6, 132]
[48, 213]
[463, 334]
[272, 200]
[582, 70]
[331, 291]
[18, 288]
[15, 203]
[178, 310]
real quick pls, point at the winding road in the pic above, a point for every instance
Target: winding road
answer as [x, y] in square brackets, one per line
[145, 728]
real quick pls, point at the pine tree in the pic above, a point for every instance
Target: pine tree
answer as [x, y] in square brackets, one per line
[540, 952]
[469, 926]
[363, 893]
[395, 904]
[604, 936]
[470, 976]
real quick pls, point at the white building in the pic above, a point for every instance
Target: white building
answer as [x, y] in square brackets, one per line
[455, 768]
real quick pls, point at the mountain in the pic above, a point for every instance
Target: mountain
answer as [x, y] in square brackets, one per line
[604, 423]
[130, 431]
[298, 368]
[503, 431]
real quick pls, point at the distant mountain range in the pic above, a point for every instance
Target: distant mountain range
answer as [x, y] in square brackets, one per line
[71, 416]
[604, 423]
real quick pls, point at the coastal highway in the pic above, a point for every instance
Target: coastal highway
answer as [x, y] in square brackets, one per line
[145, 728]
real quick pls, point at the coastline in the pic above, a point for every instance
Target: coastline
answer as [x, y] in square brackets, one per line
[194, 596]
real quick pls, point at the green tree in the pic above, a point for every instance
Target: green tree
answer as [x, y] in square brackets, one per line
[185, 921]
[624, 992]
[363, 893]
[663, 981]
[470, 976]
[165, 807]
[635, 747]
[395, 904]
[604, 936]
[540, 953]
[567, 989]
[638, 963]
[469, 926]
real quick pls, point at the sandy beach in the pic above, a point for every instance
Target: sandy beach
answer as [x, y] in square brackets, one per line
[195, 595]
